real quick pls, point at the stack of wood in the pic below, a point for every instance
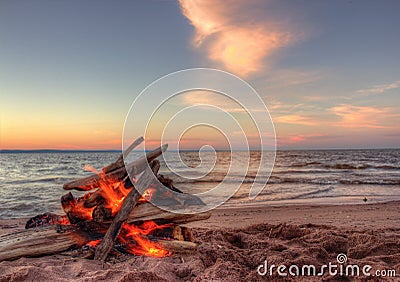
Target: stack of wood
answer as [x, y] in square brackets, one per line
[90, 220]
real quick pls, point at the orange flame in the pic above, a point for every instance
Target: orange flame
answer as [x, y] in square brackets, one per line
[112, 190]
[113, 193]
[78, 208]
[143, 245]
[147, 248]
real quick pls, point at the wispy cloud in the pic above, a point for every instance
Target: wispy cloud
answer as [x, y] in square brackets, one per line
[239, 44]
[296, 119]
[281, 108]
[346, 116]
[196, 97]
[364, 116]
[301, 138]
[379, 89]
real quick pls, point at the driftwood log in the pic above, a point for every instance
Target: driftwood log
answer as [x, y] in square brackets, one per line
[42, 241]
[177, 246]
[59, 238]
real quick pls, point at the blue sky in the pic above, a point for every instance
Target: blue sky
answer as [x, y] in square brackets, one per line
[327, 70]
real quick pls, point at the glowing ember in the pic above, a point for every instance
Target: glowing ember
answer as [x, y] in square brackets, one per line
[64, 221]
[93, 243]
[147, 195]
[80, 210]
[46, 219]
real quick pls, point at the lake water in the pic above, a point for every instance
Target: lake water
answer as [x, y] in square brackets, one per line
[31, 183]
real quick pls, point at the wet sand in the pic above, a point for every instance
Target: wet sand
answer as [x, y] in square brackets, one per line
[378, 215]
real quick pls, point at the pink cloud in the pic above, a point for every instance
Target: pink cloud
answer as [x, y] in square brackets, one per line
[296, 119]
[301, 139]
[365, 116]
[240, 45]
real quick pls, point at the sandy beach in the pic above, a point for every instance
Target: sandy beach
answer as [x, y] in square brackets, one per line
[234, 242]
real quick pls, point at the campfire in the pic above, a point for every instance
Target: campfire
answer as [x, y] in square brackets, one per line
[113, 217]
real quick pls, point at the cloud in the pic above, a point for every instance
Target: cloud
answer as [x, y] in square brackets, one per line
[364, 116]
[296, 119]
[196, 97]
[302, 138]
[346, 116]
[240, 44]
[379, 89]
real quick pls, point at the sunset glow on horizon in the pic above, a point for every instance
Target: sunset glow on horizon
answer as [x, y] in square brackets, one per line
[328, 72]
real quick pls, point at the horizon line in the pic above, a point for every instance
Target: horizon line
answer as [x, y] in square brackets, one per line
[183, 150]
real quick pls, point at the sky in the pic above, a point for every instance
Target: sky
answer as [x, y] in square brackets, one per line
[328, 71]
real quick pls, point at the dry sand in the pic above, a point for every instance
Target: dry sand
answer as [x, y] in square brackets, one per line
[234, 242]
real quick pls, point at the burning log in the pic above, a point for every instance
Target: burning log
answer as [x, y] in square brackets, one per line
[129, 203]
[97, 198]
[135, 168]
[55, 239]
[101, 214]
[94, 199]
[58, 238]
[114, 216]
[120, 162]
[74, 208]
